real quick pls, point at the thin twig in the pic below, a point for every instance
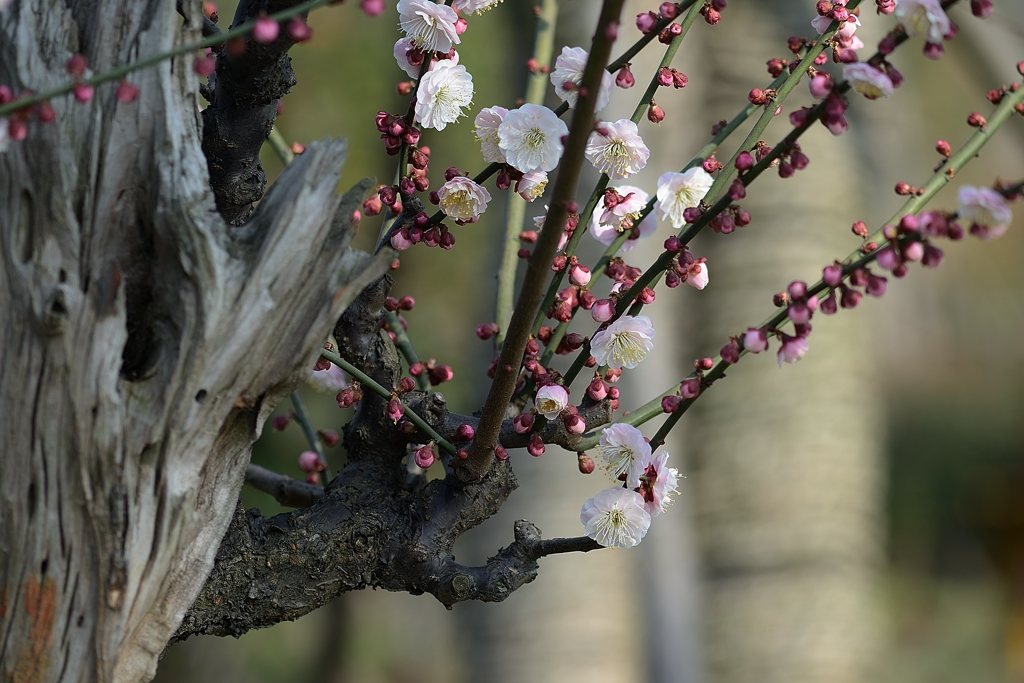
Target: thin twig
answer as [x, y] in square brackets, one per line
[374, 386]
[125, 69]
[543, 47]
[285, 490]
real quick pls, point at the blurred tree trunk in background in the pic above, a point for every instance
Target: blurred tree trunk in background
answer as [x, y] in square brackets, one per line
[784, 464]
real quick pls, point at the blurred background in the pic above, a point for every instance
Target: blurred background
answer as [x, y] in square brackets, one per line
[857, 516]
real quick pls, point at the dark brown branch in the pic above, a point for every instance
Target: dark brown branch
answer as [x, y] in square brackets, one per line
[481, 454]
[243, 94]
[285, 490]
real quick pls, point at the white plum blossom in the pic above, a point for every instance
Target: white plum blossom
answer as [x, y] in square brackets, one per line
[620, 446]
[444, 92]
[924, 18]
[475, 6]
[983, 209]
[463, 199]
[332, 379]
[624, 343]
[531, 138]
[654, 480]
[607, 224]
[430, 24]
[486, 133]
[551, 400]
[699, 279]
[615, 518]
[532, 185]
[678, 192]
[616, 149]
[869, 81]
[568, 73]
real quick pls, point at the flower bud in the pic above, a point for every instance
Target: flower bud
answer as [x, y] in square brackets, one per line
[424, 456]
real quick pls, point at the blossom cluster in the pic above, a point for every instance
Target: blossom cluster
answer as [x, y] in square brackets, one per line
[619, 516]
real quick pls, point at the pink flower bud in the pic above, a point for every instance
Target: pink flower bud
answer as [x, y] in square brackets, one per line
[579, 275]
[523, 423]
[424, 456]
[820, 85]
[500, 453]
[755, 340]
[329, 437]
[744, 161]
[372, 8]
[624, 78]
[585, 463]
[535, 447]
[299, 30]
[265, 30]
[876, 285]
[597, 390]
[730, 353]
[646, 21]
[309, 461]
[832, 275]
[913, 251]
[603, 310]
[888, 258]
[280, 422]
[126, 92]
[933, 257]
[655, 114]
[83, 92]
[690, 388]
[394, 410]
[486, 330]
[670, 404]
[465, 432]
[574, 424]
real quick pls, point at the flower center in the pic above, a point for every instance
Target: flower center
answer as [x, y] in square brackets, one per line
[627, 347]
[534, 138]
[618, 459]
[458, 204]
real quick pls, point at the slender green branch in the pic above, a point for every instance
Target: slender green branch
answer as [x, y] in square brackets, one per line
[543, 47]
[376, 388]
[307, 428]
[666, 60]
[125, 69]
[640, 44]
[531, 293]
[853, 262]
[280, 146]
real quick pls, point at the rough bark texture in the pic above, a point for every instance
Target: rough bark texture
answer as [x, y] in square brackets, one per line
[144, 342]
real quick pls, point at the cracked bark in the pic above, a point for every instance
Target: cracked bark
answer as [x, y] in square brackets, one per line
[145, 342]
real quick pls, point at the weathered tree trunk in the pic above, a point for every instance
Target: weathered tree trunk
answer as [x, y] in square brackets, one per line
[144, 341]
